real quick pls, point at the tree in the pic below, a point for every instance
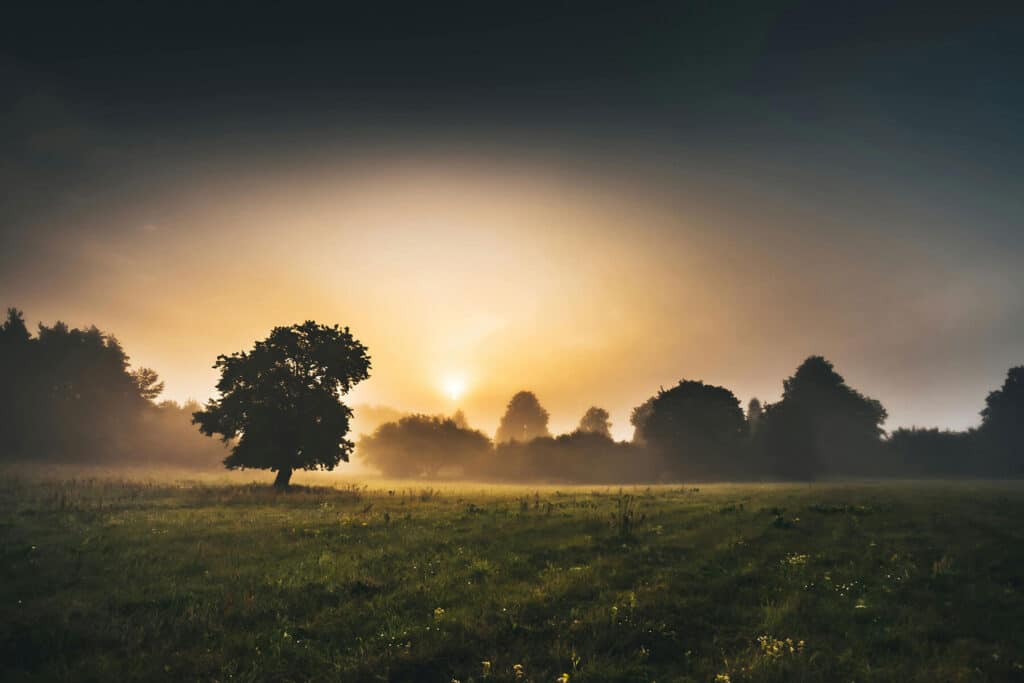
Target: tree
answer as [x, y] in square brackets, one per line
[147, 382]
[424, 446]
[754, 414]
[596, 421]
[459, 418]
[524, 419]
[698, 428]
[281, 401]
[69, 395]
[638, 418]
[1002, 424]
[16, 369]
[13, 330]
[821, 425]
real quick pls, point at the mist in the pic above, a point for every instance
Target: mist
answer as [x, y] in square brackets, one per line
[73, 397]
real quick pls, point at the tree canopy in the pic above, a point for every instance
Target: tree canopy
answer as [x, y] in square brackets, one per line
[596, 421]
[1002, 424]
[696, 426]
[424, 446]
[282, 400]
[524, 419]
[68, 395]
[638, 418]
[821, 425]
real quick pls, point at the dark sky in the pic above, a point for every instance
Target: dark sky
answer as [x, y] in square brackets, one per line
[765, 73]
[881, 123]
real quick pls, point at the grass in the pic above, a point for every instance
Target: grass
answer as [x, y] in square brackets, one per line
[108, 579]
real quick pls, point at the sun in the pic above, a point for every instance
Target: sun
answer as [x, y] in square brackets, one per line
[454, 386]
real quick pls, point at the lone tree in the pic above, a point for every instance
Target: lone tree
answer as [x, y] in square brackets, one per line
[282, 400]
[596, 421]
[524, 419]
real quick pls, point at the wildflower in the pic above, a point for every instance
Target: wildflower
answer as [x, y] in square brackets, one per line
[486, 667]
[564, 678]
[723, 678]
[438, 614]
[795, 559]
[517, 669]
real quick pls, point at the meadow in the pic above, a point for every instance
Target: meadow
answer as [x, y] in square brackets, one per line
[110, 578]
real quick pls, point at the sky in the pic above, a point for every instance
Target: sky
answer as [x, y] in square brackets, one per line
[587, 200]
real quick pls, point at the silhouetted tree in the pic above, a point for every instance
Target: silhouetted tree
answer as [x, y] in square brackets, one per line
[1002, 424]
[698, 427]
[638, 418]
[821, 425]
[13, 330]
[17, 362]
[524, 419]
[282, 400]
[754, 414]
[68, 394]
[459, 418]
[596, 421]
[424, 446]
[147, 383]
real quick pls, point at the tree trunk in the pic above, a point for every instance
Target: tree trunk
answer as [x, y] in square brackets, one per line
[283, 477]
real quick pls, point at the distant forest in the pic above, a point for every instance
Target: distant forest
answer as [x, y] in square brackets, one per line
[70, 396]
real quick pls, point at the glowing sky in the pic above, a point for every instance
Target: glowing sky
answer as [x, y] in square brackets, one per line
[585, 223]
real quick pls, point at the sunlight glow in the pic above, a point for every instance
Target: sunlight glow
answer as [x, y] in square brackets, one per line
[454, 387]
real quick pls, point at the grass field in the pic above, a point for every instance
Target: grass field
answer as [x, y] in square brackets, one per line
[107, 580]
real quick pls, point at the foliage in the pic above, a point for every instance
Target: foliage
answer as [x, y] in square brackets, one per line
[821, 425]
[638, 418]
[281, 401]
[698, 427]
[1002, 426]
[576, 457]
[917, 452]
[524, 419]
[425, 445]
[596, 421]
[68, 393]
[147, 383]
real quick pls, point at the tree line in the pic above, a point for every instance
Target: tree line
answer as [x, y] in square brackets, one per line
[821, 427]
[70, 395]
